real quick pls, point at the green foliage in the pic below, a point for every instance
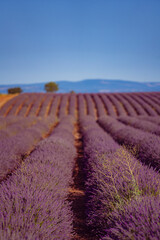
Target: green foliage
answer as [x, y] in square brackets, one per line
[72, 92]
[14, 90]
[51, 87]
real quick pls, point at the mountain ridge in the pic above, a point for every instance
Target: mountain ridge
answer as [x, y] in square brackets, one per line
[90, 86]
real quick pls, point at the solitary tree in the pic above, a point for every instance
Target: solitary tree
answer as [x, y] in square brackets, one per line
[51, 87]
[14, 90]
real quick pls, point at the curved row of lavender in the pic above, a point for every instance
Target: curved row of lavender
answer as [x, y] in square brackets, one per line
[72, 108]
[152, 101]
[90, 105]
[63, 107]
[155, 120]
[131, 111]
[116, 182]
[15, 147]
[145, 143]
[141, 124]
[10, 126]
[101, 111]
[33, 199]
[97, 105]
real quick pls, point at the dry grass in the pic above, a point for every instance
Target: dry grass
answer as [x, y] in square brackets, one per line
[5, 97]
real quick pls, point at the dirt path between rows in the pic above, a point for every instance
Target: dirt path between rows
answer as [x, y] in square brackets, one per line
[77, 191]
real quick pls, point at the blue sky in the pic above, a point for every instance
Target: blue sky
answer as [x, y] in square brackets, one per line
[52, 40]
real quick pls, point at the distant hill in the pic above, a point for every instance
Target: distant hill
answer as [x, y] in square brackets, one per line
[90, 86]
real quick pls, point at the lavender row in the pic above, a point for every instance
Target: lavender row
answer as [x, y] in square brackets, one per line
[7, 121]
[14, 148]
[108, 105]
[54, 106]
[8, 106]
[141, 124]
[17, 106]
[43, 112]
[16, 126]
[145, 143]
[155, 120]
[33, 200]
[81, 106]
[118, 105]
[36, 105]
[114, 178]
[150, 111]
[72, 105]
[150, 100]
[139, 220]
[129, 108]
[101, 111]
[90, 105]
[135, 105]
[24, 111]
[63, 107]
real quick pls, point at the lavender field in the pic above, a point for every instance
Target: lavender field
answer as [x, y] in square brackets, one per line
[80, 166]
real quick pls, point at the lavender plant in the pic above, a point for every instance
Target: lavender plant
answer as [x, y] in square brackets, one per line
[63, 108]
[118, 105]
[108, 105]
[138, 220]
[72, 104]
[14, 148]
[81, 106]
[147, 107]
[146, 144]
[43, 112]
[90, 105]
[141, 124]
[129, 108]
[33, 200]
[114, 177]
[99, 105]
[53, 111]
[139, 109]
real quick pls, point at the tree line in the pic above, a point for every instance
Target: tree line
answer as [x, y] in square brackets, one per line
[49, 87]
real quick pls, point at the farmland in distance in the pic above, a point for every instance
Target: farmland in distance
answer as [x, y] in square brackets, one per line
[80, 166]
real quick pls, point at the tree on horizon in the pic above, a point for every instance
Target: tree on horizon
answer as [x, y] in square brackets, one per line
[51, 87]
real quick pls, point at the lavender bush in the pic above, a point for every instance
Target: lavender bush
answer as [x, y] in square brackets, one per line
[139, 220]
[140, 124]
[147, 107]
[90, 105]
[155, 120]
[63, 108]
[128, 107]
[114, 178]
[54, 108]
[82, 109]
[24, 111]
[101, 111]
[151, 101]
[108, 105]
[118, 105]
[139, 109]
[14, 148]
[146, 144]
[43, 112]
[37, 105]
[33, 200]
[72, 105]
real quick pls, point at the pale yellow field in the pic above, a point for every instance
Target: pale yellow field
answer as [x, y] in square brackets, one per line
[5, 97]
